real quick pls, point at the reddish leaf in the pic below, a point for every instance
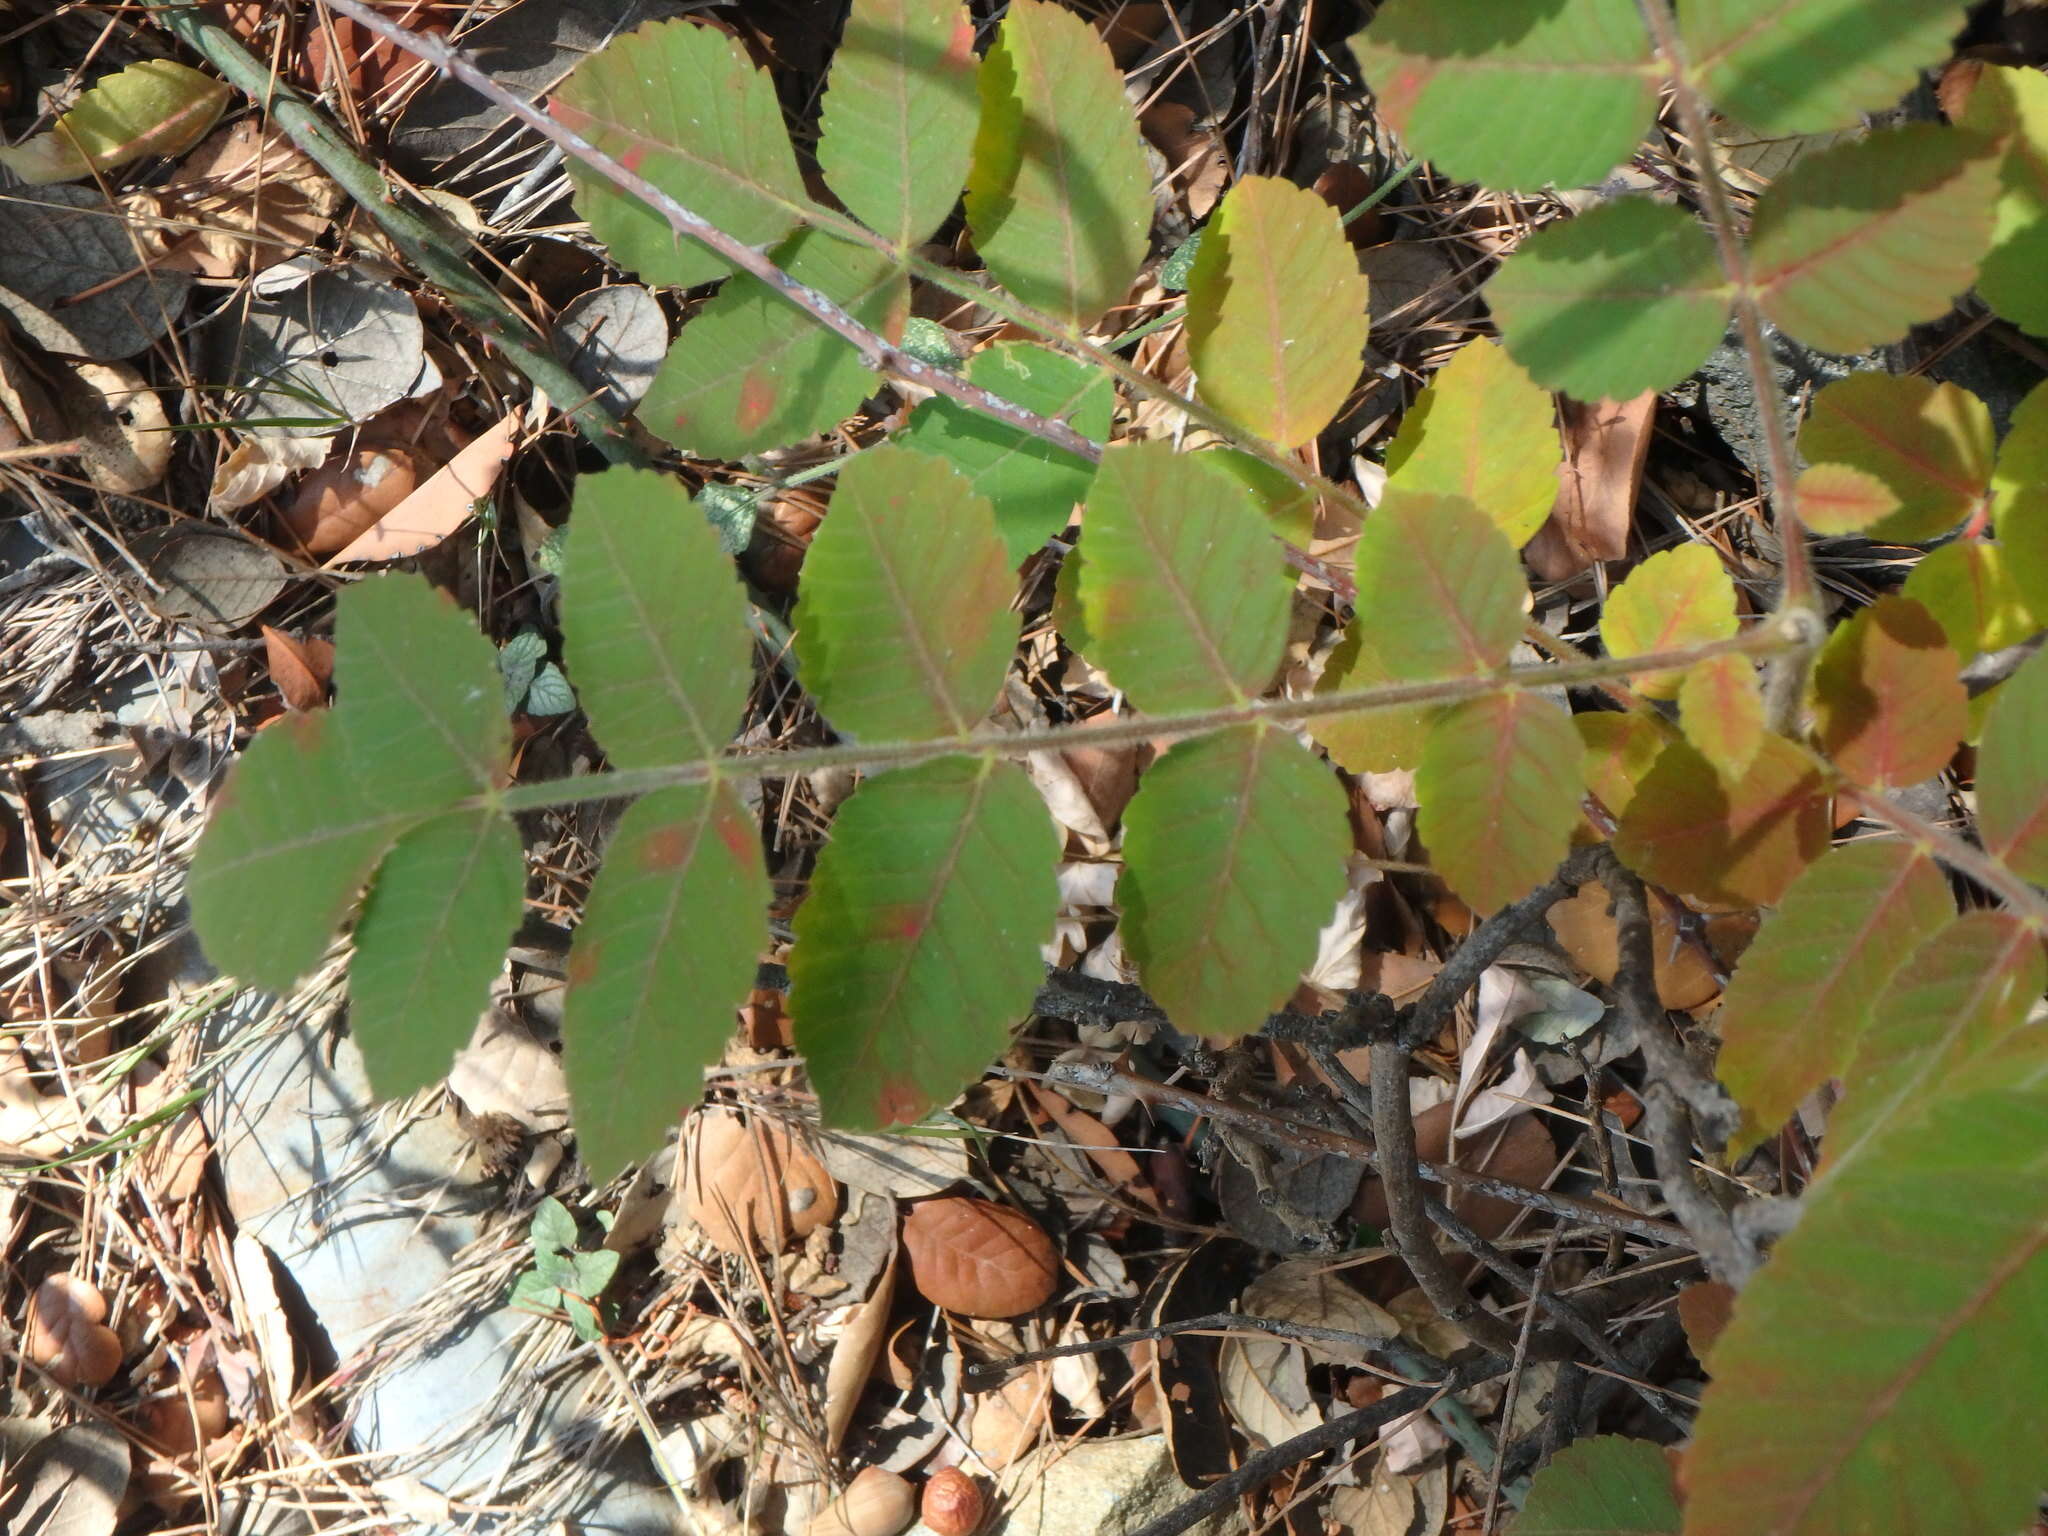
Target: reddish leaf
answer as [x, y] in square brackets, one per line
[300, 668]
[1722, 708]
[1621, 749]
[1887, 699]
[978, 1258]
[1927, 444]
[1840, 498]
[1739, 842]
[1675, 599]
[1499, 785]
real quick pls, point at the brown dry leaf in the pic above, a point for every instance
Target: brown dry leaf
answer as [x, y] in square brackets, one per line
[33, 1123]
[752, 1183]
[1605, 445]
[123, 434]
[266, 1317]
[1194, 153]
[1311, 1292]
[1384, 1507]
[348, 495]
[1088, 1133]
[895, 1167]
[66, 1332]
[1585, 929]
[443, 504]
[978, 1258]
[250, 199]
[1007, 1422]
[300, 668]
[1265, 1387]
[1705, 1307]
[70, 1483]
[259, 465]
[1520, 1150]
[854, 1355]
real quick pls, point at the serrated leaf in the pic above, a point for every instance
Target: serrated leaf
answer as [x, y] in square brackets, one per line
[550, 693]
[518, 658]
[664, 954]
[1621, 749]
[899, 115]
[1804, 990]
[1677, 598]
[1735, 841]
[1625, 297]
[1499, 787]
[1290, 510]
[1369, 740]
[1970, 589]
[917, 948]
[1889, 705]
[752, 371]
[1181, 594]
[681, 105]
[1721, 707]
[1835, 499]
[2012, 774]
[1234, 860]
[155, 107]
[1277, 318]
[2019, 487]
[317, 799]
[1603, 1486]
[1441, 583]
[1031, 484]
[653, 623]
[2012, 106]
[1059, 199]
[1785, 69]
[1929, 444]
[1862, 240]
[432, 937]
[1484, 430]
[1180, 265]
[903, 623]
[1464, 81]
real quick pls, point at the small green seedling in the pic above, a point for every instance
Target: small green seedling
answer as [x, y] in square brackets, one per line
[564, 1279]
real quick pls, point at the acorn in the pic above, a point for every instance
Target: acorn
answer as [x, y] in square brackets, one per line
[953, 1504]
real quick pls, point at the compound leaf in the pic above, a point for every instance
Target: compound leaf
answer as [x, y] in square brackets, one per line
[1484, 430]
[1499, 787]
[917, 948]
[1606, 1485]
[2012, 774]
[1277, 316]
[1735, 841]
[1722, 709]
[1621, 749]
[1442, 583]
[1928, 444]
[1889, 704]
[1677, 598]
[1234, 860]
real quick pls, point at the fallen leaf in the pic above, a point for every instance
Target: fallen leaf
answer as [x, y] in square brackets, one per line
[69, 1483]
[978, 1258]
[854, 1354]
[300, 668]
[1584, 924]
[123, 434]
[447, 500]
[1705, 1307]
[32, 1123]
[317, 350]
[749, 1183]
[66, 1333]
[895, 1167]
[209, 575]
[613, 340]
[71, 279]
[348, 495]
[250, 199]
[258, 465]
[155, 107]
[1384, 1507]
[1606, 443]
[1008, 1421]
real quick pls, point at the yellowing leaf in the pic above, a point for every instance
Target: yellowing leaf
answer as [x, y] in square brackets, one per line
[2012, 774]
[2012, 106]
[156, 107]
[1620, 751]
[1722, 709]
[1928, 444]
[1370, 740]
[1888, 702]
[2020, 487]
[1677, 598]
[1970, 589]
[1438, 579]
[1835, 499]
[1499, 786]
[1483, 430]
[1276, 311]
[1735, 842]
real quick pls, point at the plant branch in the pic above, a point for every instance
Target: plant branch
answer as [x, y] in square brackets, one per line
[1964, 857]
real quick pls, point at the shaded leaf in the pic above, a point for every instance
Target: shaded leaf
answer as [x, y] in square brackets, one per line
[1621, 749]
[1970, 588]
[1277, 322]
[903, 623]
[1835, 499]
[653, 623]
[70, 280]
[2012, 106]
[1677, 598]
[681, 105]
[1234, 860]
[1625, 297]
[2019, 486]
[1735, 841]
[1928, 444]
[1499, 785]
[1603, 1486]
[1181, 592]
[1290, 510]
[1889, 704]
[154, 107]
[1802, 997]
[613, 339]
[898, 121]
[1482, 430]
[917, 948]
[1058, 195]
[2012, 774]
[1369, 740]
[334, 349]
[432, 937]
[1860, 241]
[1442, 582]
[1722, 708]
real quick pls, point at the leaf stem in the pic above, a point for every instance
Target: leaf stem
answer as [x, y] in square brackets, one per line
[1965, 858]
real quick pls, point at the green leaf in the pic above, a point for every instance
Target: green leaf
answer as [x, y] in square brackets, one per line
[1625, 297]
[663, 956]
[1181, 592]
[1059, 199]
[752, 371]
[550, 694]
[532, 1292]
[1290, 510]
[2012, 774]
[1499, 787]
[1277, 317]
[1440, 585]
[1234, 854]
[552, 1228]
[899, 115]
[1929, 444]
[594, 1272]
[1621, 749]
[1970, 589]
[318, 797]
[1483, 430]
[681, 105]
[1835, 499]
[1862, 240]
[1734, 841]
[2019, 487]
[1465, 81]
[1369, 740]
[432, 938]
[903, 623]
[1889, 705]
[1677, 598]
[1032, 485]
[1603, 1486]
[517, 659]
[155, 107]
[653, 623]
[1178, 267]
[917, 949]
[1803, 994]
[1722, 709]
[2012, 106]
[1812, 65]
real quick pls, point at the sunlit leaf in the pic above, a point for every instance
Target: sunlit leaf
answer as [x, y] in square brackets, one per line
[681, 105]
[752, 371]
[1181, 593]
[1722, 709]
[917, 949]
[2012, 106]
[1676, 598]
[1059, 200]
[1290, 510]
[1803, 993]
[2020, 491]
[898, 120]
[1929, 445]
[1737, 842]
[664, 954]
[1889, 704]
[1625, 297]
[653, 623]
[1277, 317]
[432, 937]
[1440, 586]
[1370, 740]
[1484, 431]
[1860, 241]
[1499, 785]
[1602, 1486]
[1031, 484]
[1464, 81]
[1621, 749]
[1234, 854]
[1970, 589]
[1835, 499]
[154, 107]
[2012, 774]
[419, 724]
